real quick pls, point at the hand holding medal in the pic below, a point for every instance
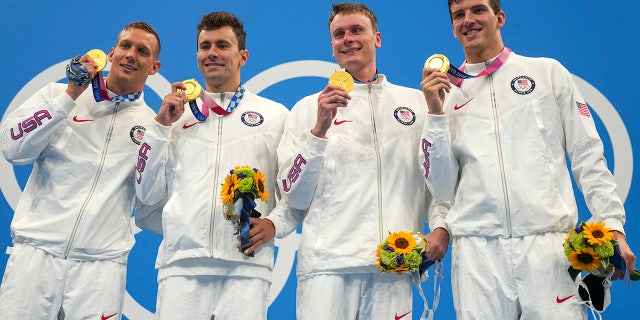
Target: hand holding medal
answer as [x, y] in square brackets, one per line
[78, 73]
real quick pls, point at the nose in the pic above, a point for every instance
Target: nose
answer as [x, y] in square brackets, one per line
[348, 36]
[212, 52]
[468, 18]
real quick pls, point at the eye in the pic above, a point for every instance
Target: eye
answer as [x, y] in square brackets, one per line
[457, 15]
[356, 30]
[479, 10]
[338, 34]
[143, 52]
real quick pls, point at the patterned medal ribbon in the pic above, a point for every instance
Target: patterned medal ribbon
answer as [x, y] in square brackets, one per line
[99, 89]
[375, 77]
[457, 75]
[208, 103]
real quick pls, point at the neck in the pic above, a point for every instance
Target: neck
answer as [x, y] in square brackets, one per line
[484, 54]
[118, 88]
[363, 75]
[226, 86]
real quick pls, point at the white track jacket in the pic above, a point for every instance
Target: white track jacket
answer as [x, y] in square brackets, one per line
[357, 186]
[80, 196]
[502, 149]
[187, 163]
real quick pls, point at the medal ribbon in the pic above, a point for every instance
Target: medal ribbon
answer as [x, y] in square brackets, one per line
[248, 210]
[375, 77]
[457, 75]
[100, 91]
[208, 103]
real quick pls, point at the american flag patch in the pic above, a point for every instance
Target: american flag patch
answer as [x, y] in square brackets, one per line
[583, 109]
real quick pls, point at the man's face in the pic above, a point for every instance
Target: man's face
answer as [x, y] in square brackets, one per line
[219, 58]
[132, 60]
[475, 25]
[353, 40]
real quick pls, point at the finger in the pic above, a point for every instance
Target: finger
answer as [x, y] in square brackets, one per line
[252, 247]
[178, 86]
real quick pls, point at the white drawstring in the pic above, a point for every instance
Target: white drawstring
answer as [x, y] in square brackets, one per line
[428, 313]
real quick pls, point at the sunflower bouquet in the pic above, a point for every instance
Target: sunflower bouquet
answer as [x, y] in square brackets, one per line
[241, 187]
[402, 251]
[590, 247]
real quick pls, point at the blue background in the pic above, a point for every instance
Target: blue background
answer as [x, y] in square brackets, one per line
[597, 41]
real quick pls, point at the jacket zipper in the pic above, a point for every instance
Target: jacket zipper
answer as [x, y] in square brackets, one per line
[215, 181]
[378, 160]
[500, 157]
[83, 208]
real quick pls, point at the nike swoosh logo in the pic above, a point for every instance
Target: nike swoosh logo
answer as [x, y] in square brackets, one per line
[107, 317]
[75, 118]
[402, 316]
[462, 105]
[561, 300]
[337, 123]
[187, 126]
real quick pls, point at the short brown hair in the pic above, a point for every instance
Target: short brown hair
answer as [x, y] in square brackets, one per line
[219, 19]
[494, 4]
[144, 27]
[353, 7]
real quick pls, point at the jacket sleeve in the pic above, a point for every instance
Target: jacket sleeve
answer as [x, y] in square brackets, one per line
[438, 163]
[438, 213]
[300, 156]
[285, 219]
[26, 132]
[151, 179]
[149, 217]
[586, 154]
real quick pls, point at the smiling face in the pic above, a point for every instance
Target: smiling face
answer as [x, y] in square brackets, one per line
[477, 28]
[133, 59]
[354, 43]
[220, 59]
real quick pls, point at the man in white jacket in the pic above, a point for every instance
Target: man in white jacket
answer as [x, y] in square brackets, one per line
[348, 167]
[496, 144]
[71, 228]
[201, 272]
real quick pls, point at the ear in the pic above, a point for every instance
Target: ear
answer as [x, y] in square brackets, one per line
[110, 55]
[378, 39]
[156, 66]
[501, 19]
[244, 56]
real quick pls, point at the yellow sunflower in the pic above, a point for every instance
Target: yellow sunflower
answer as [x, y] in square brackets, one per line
[402, 242]
[229, 188]
[260, 183]
[597, 233]
[584, 259]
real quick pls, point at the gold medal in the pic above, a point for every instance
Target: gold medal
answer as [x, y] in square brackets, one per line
[420, 242]
[438, 61]
[99, 57]
[228, 211]
[193, 89]
[342, 79]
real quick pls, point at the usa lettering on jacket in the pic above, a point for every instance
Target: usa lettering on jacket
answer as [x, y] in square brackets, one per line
[294, 173]
[142, 161]
[30, 124]
[427, 162]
